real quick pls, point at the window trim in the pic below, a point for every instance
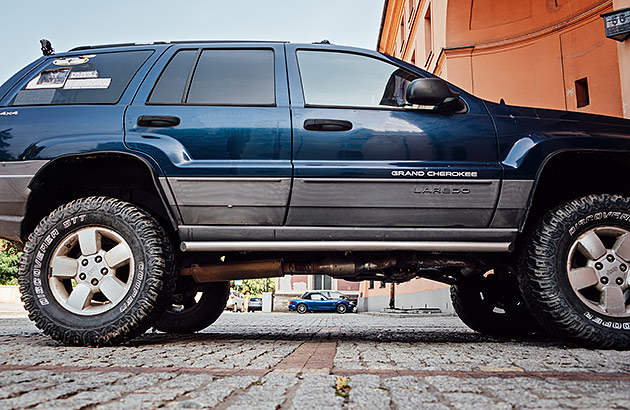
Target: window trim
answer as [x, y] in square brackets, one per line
[39, 69]
[193, 69]
[353, 107]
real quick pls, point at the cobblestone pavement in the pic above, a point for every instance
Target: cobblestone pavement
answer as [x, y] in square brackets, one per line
[291, 361]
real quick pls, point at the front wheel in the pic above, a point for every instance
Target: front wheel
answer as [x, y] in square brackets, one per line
[574, 271]
[341, 308]
[96, 272]
[194, 306]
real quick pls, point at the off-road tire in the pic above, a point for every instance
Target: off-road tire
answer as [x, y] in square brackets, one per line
[190, 315]
[544, 268]
[149, 288]
[301, 308]
[500, 314]
[341, 308]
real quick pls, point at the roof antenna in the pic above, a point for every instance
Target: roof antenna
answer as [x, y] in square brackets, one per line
[324, 41]
[47, 48]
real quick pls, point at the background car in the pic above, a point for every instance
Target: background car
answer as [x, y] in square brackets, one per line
[254, 304]
[235, 301]
[317, 301]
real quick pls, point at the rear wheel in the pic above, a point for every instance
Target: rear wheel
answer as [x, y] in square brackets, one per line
[492, 304]
[574, 271]
[194, 306]
[96, 271]
[301, 308]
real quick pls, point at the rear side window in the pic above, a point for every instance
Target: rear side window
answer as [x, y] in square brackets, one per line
[352, 80]
[88, 79]
[221, 77]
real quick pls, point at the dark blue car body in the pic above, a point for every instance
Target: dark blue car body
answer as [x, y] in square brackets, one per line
[265, 159]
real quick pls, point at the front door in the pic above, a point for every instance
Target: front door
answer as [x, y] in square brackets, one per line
[364, 157]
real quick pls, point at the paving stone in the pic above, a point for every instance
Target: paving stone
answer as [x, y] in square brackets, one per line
[249, 361]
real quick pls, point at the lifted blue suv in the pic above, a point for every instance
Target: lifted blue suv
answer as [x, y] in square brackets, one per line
[137, 177]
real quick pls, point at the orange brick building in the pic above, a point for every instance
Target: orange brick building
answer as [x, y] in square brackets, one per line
[542, 53]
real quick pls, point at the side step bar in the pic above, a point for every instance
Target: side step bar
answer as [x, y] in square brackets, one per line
[305, 246]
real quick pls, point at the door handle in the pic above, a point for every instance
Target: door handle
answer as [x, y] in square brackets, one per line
[327, 125]
[158, 121]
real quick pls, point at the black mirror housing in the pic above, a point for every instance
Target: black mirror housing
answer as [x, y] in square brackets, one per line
[431, 91]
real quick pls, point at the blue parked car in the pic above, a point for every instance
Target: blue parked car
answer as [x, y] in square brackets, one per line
[317, 301]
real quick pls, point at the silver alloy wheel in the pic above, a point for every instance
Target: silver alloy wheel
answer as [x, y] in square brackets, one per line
[91, 271]
[597, 266]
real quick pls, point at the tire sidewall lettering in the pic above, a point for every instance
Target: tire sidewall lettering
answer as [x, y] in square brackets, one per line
[41, 267]
[576, 228]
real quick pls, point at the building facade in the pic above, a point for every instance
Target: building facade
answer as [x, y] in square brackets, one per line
[541, 53]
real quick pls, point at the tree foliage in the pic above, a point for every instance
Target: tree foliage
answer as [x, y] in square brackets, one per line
[9, 261]
[255, 287]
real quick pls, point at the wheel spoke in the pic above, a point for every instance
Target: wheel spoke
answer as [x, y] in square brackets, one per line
[118, 255]
[622, 247]
[591, 246]
[112, 288]
[613, 300]
[64, 267]
[583, 278]
[80, 297]
[89, 241]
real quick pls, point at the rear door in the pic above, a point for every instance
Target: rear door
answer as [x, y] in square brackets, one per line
[216, 119]
[364, 157]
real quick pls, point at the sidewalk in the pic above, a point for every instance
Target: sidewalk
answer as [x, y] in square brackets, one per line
[12, 310]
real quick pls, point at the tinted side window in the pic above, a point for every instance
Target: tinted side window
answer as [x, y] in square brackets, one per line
[87, 79]
[170, 87]
[344, 79]
[234, 77]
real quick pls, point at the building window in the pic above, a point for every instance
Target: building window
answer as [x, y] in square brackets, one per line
[371, 285]
[322, 282]
[428, 37]
[581, 92]
[401, 35]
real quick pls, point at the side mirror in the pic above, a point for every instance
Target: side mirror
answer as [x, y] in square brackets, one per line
[433, 91]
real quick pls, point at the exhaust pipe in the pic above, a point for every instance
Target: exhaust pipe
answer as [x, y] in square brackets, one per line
[221, 272]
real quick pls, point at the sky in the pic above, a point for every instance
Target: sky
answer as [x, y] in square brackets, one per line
[69, 24]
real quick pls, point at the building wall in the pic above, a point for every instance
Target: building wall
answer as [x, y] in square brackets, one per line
[623, 49]
[531, 52]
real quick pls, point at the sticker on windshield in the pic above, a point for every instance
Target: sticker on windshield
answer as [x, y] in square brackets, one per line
[55, 78]
[87, 83]
[84, 74]
[71, 61]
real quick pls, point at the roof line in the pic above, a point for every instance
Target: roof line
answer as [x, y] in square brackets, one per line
[80, 48]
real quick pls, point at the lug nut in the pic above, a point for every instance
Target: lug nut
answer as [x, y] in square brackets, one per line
[104, 271]
[82, 276]
[610, 258]
[84, 262]
[599, 266]
[623, 267]
[604, 280]
[619, 281]
[98, 259]
[95, 282]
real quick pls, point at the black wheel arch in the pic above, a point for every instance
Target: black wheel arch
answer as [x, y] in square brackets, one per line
[568, 174]
[121, 175]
